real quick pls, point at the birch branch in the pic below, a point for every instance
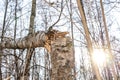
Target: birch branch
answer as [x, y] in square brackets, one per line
[31, 41]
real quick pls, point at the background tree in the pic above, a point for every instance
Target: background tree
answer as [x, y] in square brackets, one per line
[19, 35]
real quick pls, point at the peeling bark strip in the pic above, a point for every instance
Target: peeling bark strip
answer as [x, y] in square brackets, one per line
[62, 59]
[31, 41]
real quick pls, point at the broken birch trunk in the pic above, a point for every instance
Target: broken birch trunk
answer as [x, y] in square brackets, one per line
[62, 62]
[57, 44]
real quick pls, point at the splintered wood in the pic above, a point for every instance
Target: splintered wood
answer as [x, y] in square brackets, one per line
[52, 36]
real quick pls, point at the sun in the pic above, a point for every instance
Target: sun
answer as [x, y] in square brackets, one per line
[99, 57]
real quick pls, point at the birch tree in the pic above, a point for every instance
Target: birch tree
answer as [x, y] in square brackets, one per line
[3, 31]
[30, 50]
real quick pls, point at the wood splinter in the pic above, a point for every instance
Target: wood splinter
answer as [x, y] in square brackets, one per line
[52, 36]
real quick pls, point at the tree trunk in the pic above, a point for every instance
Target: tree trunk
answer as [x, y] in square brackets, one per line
[108, 43]
[30, 51]
[3, 31]
[15, 54]
[62, 59]
[88, 39]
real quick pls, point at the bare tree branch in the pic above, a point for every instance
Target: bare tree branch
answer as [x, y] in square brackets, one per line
[31, 41]
[58, 17]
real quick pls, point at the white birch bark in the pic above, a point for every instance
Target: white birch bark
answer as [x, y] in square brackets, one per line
[31, 41]
[62, 59]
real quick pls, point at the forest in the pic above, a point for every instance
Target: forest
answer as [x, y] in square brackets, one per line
[59, 40]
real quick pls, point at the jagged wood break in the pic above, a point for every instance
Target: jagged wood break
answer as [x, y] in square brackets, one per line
[51, 36]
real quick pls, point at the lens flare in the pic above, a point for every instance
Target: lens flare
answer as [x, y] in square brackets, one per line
[99, 57]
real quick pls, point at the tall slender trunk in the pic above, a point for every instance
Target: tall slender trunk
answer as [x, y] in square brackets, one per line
[3, 31]
[108, 42]
[71, 24]
[30, 51]
[15, 56]
[87, 36]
